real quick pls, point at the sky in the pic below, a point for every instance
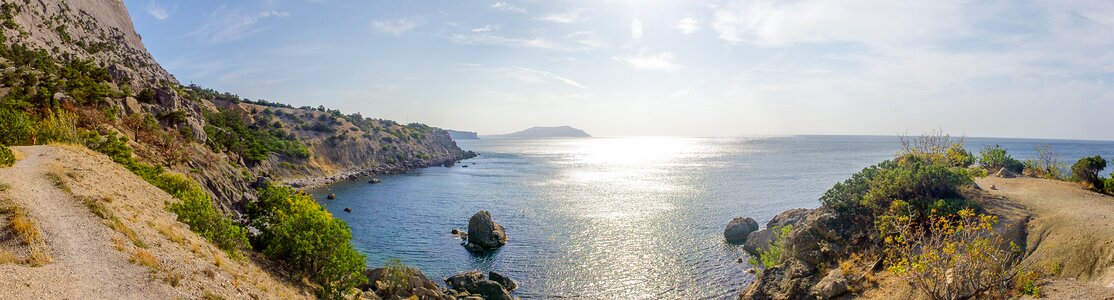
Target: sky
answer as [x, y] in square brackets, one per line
[1014, 68]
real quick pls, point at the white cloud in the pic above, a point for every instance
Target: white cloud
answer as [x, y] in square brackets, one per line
[636, 29]
[397, 26]
[504, 6]
[572, 16]
[659, 62]
[224, 25]
[536, 76]
[688, 25]
[486, 28]
[577, 41]
[157, 11]
[776, 23]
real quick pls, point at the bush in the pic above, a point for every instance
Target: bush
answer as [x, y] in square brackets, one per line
[1045, 165]
[995, 158]
[57, 126]
[298, 233]
[397, 275]
[1086, 171]
[771, 256]
[17, 128]
[7, 158]
[957, 256]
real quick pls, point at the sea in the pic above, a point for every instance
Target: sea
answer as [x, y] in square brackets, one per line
[615, 218]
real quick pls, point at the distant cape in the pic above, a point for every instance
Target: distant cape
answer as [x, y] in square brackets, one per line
[462, 135]
[542, 132]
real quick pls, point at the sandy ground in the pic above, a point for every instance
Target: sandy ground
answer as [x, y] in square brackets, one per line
[1070, 226]
[92, 257]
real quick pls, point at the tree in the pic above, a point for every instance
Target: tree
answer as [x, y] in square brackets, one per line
[1086, 171]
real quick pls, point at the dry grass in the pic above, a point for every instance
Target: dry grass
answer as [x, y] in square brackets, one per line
[174, 279]
[168, 231]
[18, 155]
[25, 229]
[145, 258]
[4, 187]
[39, 256]
[7, 257]
[56, 173]
[118, 244]
[119, 226]
[207, 295]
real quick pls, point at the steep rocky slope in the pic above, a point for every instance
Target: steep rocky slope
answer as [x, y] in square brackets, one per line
[82, 62]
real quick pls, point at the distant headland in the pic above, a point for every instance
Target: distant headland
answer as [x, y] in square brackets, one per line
[462, 135]
[542, 132]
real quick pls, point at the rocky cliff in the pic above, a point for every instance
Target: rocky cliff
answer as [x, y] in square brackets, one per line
[84, 63]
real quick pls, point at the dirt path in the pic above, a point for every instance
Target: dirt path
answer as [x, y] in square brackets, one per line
[1071, 226]
[85, 265]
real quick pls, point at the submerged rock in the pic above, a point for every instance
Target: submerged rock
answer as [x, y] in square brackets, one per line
[331, 196]
[374, 181]
[348, 209]
[483, 233]
[737, 230]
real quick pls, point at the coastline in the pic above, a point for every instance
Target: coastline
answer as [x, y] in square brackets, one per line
[312, 182]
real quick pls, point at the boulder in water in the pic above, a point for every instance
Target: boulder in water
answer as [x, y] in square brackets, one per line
[374, 181]
[484, 234]
[505, 281]
[737, 230]
[331, 196]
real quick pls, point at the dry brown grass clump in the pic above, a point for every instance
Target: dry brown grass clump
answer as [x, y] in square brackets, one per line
[24, 228]
[145, 258]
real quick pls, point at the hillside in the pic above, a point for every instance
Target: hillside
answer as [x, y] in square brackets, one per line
[542, 132]
[79, 67]
[109, 236]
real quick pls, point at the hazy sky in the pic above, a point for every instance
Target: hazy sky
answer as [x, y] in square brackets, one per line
[694, 68]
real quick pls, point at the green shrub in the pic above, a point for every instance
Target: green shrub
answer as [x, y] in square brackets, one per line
[1086, 171]
[995, 158]
[397, 275]
[771, 256]
[1108, 186]
[7, 158]
[300, 234]
[17, 128]
[57, 126]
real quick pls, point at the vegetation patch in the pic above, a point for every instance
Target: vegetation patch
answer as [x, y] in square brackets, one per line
[7, 157]
[299, 234]
[227, 131]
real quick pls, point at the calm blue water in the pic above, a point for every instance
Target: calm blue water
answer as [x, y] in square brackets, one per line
[614, 218]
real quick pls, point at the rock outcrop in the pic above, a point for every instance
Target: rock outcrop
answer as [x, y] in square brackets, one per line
[484, 234]
[473, 283]
[418, 285]
[737, 230]
[760, 240]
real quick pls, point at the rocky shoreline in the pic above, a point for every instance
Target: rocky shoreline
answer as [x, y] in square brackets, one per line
[385, 169]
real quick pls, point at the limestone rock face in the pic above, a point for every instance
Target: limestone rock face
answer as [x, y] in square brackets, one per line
[484, 233]
[789, 217]
[833, 285]
[737, 230]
